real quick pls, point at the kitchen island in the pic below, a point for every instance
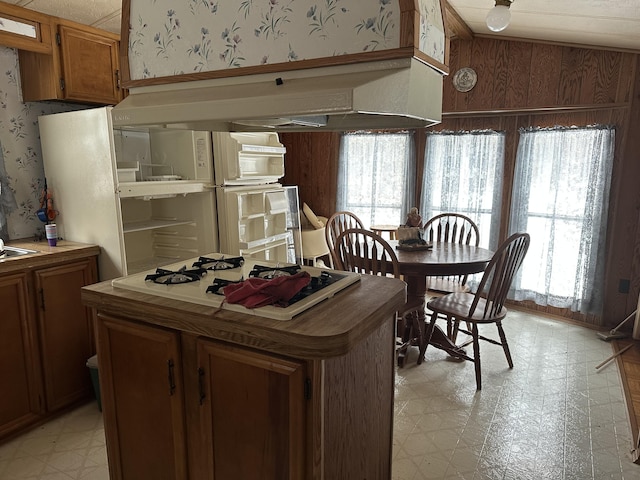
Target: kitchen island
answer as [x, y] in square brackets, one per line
[192, 391]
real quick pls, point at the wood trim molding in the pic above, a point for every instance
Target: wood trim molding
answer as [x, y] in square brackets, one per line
[457, 26]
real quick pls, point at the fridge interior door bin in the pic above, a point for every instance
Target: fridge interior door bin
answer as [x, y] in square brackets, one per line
[251, 229]
[275, 224]
[276, 202]
[260, 166]
[261, 242]
[251, 204]
[270, 251]
[242, 158]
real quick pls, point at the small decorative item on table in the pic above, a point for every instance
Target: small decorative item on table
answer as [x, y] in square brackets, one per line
[410, 234]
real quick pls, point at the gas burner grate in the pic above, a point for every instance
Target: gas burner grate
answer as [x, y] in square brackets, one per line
[170, 277]
[268, 273]
[316, 284]
[218, 285]
[219, 263]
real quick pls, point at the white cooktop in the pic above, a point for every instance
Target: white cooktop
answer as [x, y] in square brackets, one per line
[195, 292]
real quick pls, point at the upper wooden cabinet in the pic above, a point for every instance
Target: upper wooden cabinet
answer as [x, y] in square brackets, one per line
[83, 67]
[25, 29]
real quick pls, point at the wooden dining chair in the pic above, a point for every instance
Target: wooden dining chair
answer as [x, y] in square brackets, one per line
[336, 224]
[450, 228]
[486, 305]
[365, 252]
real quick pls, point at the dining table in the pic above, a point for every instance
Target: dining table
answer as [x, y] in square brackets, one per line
[436, 259]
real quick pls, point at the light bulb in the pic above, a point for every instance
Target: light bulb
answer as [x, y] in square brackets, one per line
[498, 18]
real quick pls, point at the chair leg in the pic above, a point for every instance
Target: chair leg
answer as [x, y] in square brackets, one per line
[426, 338]
[476, 355]
[505, 345]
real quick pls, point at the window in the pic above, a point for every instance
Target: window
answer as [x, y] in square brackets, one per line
[463, 174]
[560, 197]
[376, 176]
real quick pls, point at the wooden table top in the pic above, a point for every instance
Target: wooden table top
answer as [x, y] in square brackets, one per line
[443, 259]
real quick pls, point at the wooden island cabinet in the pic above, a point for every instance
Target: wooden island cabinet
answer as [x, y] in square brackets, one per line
[189, 391]
[46, 334]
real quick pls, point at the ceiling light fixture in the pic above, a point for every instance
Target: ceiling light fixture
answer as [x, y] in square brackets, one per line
[499, 16]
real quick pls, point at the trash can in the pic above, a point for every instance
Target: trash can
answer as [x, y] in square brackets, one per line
[92, 363]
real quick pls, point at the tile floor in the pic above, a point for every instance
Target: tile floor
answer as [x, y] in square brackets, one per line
[552, 417]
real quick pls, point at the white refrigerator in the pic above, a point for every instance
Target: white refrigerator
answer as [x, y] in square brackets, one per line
[147, 196]
[144, 195]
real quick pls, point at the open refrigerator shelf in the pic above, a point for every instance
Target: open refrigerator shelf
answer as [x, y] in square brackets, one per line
[161, 189]
[153, 224]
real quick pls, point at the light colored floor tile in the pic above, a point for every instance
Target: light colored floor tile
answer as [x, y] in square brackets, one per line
[552, 417]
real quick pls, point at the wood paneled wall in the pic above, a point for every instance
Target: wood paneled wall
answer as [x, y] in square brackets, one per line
[524, 84]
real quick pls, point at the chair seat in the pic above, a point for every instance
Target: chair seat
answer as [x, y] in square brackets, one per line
[458, 305]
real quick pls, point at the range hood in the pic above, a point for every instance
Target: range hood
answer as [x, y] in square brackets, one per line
[389, 94]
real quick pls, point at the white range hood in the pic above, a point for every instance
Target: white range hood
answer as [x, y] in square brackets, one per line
[390, 94]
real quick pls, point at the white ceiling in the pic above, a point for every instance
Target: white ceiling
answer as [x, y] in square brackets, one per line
[605, 23]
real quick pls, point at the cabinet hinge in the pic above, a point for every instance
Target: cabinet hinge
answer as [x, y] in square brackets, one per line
[62, 84]
[58, 39]
[307, 388]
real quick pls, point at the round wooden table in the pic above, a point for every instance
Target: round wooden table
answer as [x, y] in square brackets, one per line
[442, 259]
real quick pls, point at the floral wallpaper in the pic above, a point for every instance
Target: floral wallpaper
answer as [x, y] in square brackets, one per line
[22, 172]
[172, 38]
[432, 37]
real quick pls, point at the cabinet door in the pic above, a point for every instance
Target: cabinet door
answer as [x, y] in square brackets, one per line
[142, 400]
[90, 66]
[19, 400]
[65, 332]
[252, 413]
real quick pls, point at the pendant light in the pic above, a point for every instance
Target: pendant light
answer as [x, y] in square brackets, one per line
[499, 16]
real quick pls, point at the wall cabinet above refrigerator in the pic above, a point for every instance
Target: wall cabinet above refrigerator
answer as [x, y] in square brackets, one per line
[83, 66]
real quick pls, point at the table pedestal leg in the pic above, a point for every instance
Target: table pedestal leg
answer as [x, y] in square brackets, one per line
[416, 331]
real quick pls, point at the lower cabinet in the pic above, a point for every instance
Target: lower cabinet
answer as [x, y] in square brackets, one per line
[45, 341]
[20, 400]
[65, 331]
[177, 406]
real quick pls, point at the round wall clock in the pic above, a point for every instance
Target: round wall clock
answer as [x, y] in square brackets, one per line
[465, 79]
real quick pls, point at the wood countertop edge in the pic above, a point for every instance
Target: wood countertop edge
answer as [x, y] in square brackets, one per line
[46, 255]
[306, 336]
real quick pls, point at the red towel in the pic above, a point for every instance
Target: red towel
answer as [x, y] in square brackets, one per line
[257, 292]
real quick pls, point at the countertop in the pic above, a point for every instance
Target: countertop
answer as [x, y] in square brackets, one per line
[46, 255]
[329, 329]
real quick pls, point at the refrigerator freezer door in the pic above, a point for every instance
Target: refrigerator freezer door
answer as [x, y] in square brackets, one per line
[249, 221]
[78, 153]
[247, 158]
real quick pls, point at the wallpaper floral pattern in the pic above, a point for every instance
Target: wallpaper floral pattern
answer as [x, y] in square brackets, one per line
[20, 148]
[171, 38]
